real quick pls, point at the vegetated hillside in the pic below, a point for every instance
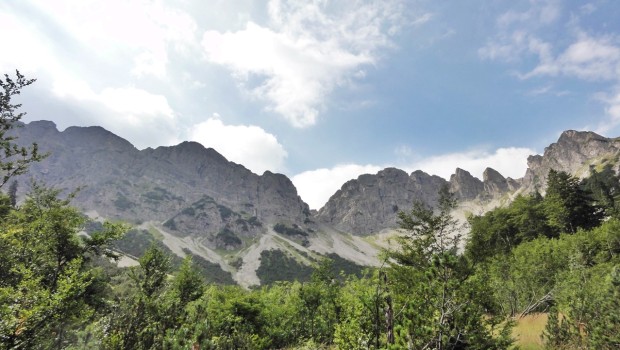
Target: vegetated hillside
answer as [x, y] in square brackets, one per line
[197, 201]
[556, 256]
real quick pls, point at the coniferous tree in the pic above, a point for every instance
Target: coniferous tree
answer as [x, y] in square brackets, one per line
[569, 207]
[440, 306]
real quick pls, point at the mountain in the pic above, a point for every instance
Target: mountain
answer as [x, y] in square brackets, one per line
[122, 182]
[194, 201]
[370, 203]
[574, 152]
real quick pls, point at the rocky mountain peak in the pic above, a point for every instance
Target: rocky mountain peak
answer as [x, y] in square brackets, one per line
[95, 137]
[196, 195]
[494, 182]
[42, 125]
[371, 202]
[573, 153]
[464, 185]
[579, 137]
[155, 184]
[492, 175]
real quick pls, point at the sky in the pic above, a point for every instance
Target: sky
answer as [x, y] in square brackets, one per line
[323, 91]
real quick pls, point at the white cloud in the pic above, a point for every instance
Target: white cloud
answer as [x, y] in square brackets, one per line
[23, 48]
[612, 109]
[69, 45]
[588, 58]
[133, 101]
[60, 36]
[548, 89]
[588, 8]
[510, 162]
[126, 101]
[316, 186]
[540, 13]
[516, 34]
[248, 145]
[144, 118]
[309, 49]
[588, 55]
[143, 30]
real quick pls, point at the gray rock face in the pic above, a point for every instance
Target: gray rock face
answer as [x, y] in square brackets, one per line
[215, 225]
[371, 202]
[573, 153]
[196, 191]
[465, 186]
[119, 181]
[495, 184]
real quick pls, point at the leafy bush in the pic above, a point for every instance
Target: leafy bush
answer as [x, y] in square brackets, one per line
[228, 238]
[289, 231]
[212, 272]
[123, 203]
[277, 266]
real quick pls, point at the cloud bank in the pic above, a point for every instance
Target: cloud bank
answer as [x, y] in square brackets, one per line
[307, 49]
[589, 56]
[248, 145]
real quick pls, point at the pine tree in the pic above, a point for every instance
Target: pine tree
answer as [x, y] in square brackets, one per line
[438, 304]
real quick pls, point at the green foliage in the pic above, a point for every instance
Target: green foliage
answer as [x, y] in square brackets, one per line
[139, 321]
[14, 159]
[342, 267]
[211, 272]
[604, 325]
[502, 229]
[253, 221]
[123, 203]
[277, 266]
[440, 305]
[135, 242]
[567, 205]
[48, 285]
[604, 187]
[228, 238]
[225, 212]
[294, 232]
[289, 231]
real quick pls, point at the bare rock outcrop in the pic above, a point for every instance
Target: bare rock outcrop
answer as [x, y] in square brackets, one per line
[371, 202]
[119, 181]
[464, 185]
[573, 153]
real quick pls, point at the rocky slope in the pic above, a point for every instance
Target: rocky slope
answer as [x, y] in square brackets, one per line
[195, 201]
[574, 152]
[370, 203]
[163, 185]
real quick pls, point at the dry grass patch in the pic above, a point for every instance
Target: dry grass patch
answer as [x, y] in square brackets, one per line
[528, 331]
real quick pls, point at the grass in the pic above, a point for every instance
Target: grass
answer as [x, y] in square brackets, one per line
[528, 331]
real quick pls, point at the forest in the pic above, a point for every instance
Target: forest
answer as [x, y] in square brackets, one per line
[554, 255]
